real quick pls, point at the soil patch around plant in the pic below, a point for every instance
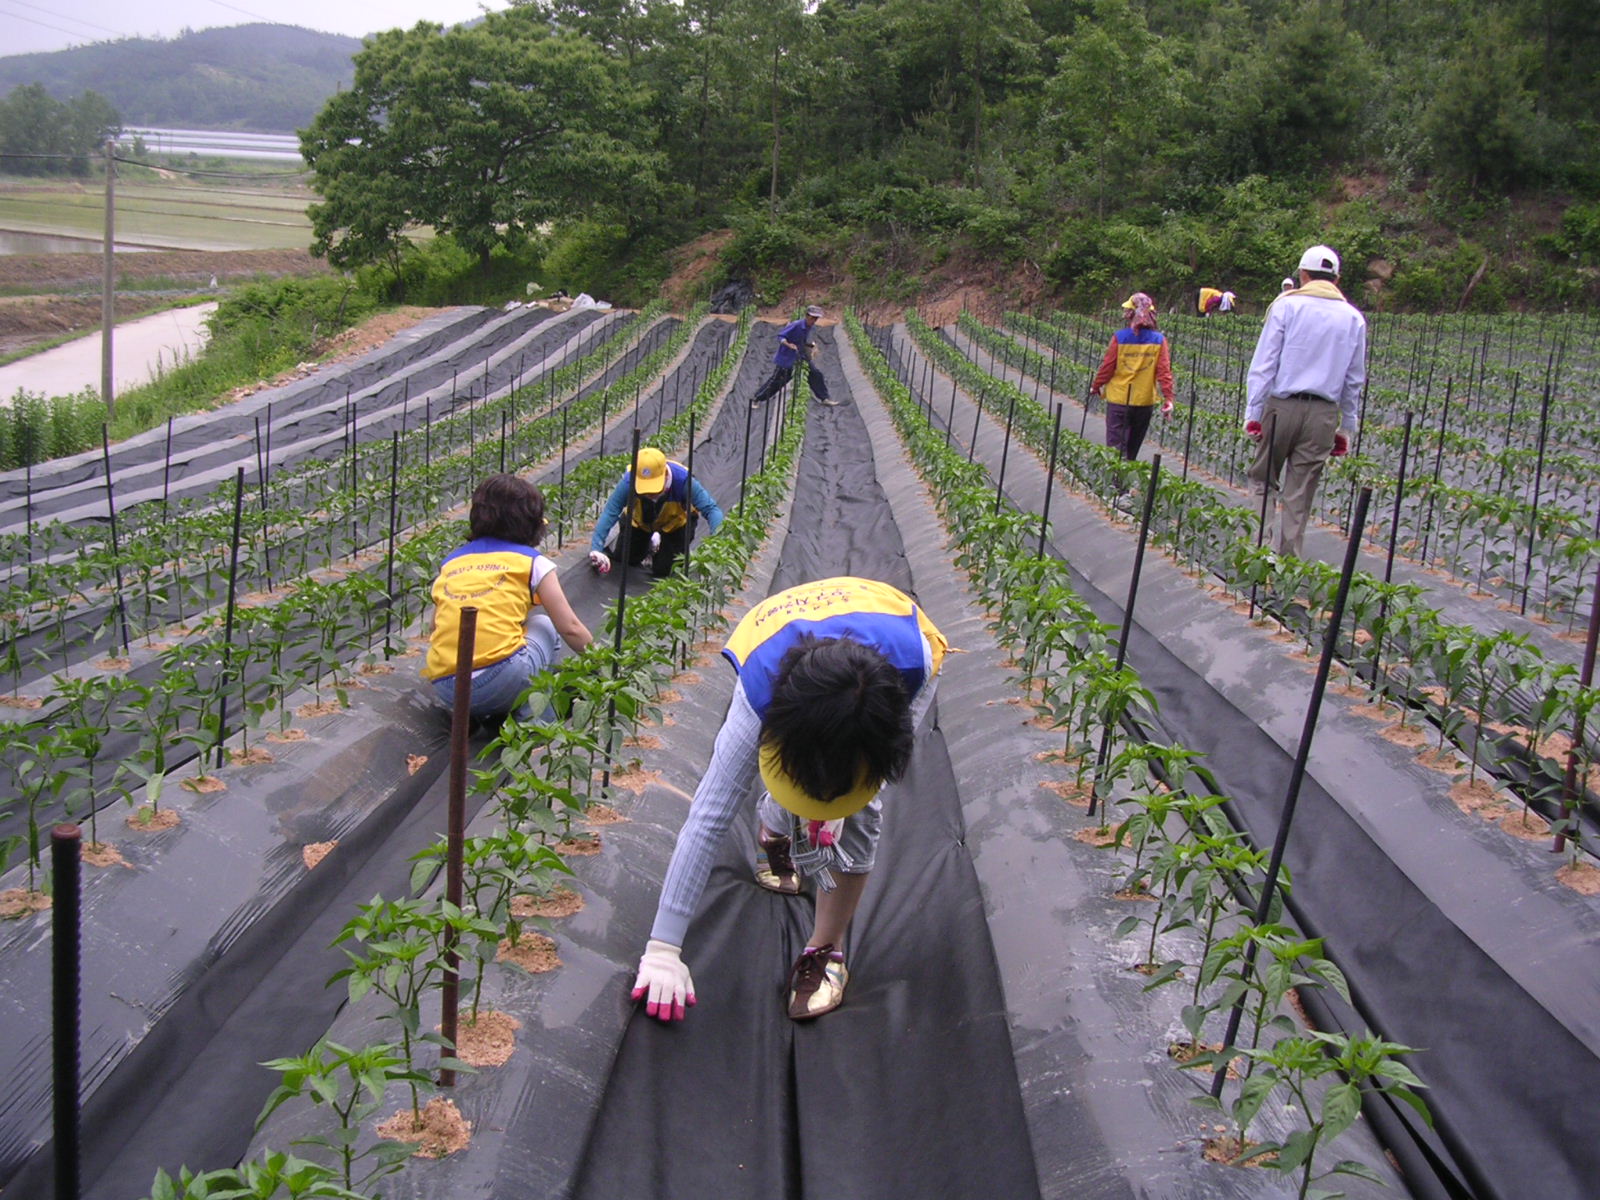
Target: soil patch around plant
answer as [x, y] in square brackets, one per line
[534, 953]
[441, 1131]
[20, 902]
[1583, 878]
[103, 854]
[415, 763]
[636, 780]
[1075, 794]
[602, 814]
[580, 845]
[149, 820]
[488, 1041]
[203, 784]
[314, 852]
[563, 902]
[253, 757]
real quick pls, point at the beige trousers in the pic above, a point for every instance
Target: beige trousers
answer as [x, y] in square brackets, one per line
[1296, 441]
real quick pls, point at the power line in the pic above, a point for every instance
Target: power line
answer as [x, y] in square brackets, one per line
[46, 25]
[50, 12]
[134, 162]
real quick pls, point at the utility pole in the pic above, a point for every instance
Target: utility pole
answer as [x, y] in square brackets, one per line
[108, 283]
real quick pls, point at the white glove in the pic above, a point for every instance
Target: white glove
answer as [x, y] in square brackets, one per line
[655, 542]
[599, 561]
[664, 980]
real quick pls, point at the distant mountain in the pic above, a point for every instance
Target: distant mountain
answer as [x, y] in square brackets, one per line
[259, 78]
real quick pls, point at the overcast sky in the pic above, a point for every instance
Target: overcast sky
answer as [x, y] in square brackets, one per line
[30, 25]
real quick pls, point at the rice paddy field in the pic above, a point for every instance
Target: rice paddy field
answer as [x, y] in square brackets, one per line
[242, 213]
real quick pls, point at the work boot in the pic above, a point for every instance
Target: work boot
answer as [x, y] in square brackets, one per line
[774, 868]
[816, 984]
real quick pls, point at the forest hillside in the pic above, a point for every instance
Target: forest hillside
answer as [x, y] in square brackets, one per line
[880, 151]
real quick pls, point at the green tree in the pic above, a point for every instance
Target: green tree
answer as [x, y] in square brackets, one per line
[484, 133]
[1111, 105]
[1479, 125]
[1294, 103]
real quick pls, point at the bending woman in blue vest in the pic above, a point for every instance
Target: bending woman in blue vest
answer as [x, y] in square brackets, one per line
[522, 610]
[664, 507]
[834, 677]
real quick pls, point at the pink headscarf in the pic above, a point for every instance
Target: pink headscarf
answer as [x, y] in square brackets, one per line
[1141, 311]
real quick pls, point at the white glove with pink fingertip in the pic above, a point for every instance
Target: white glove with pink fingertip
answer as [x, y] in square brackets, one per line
[664, 982]
[599, 561]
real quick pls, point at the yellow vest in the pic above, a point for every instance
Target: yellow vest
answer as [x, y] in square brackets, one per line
[498, 579]
[863, 610]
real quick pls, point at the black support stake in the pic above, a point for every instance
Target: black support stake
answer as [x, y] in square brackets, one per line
[624, 552]
[1127, 620]
[227, 636]
[394, 521]
[1005, 453]
[65, 985]
[1297, 775]
[116, 550]
[1049, 479]
[455, 829]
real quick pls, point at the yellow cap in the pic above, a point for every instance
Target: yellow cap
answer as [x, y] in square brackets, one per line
[650, 472]
[787, 793]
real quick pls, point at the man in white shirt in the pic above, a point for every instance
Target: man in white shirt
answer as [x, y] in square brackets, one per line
[1305, 384]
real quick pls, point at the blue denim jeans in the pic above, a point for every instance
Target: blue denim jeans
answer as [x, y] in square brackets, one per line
[497, 687]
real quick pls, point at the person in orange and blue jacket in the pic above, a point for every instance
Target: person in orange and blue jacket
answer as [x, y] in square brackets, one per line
[1137, 363]
[522, 611]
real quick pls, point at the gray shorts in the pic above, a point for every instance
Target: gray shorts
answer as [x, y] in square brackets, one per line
[858, 838]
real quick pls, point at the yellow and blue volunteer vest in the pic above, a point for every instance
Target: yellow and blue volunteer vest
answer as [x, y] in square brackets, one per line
[673, 510]
[1134, 380]
[497, 578]
[863, 610]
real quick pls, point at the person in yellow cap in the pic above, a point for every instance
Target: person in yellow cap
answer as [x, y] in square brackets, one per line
[834, 678]
[664, 506]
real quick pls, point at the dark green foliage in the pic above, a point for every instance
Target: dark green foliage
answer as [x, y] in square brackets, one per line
[35, 429]
[1580, 233]
[40, 135]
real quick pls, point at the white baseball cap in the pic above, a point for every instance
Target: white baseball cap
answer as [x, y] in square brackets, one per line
[1320, 258]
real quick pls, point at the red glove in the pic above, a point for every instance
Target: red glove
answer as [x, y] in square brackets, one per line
[1341, 445]
[1253, 429]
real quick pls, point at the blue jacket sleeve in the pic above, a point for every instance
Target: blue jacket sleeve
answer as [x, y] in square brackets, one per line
[701, 499]
[611, 514]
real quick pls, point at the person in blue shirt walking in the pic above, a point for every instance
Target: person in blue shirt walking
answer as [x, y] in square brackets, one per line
[666, 506]
[794, 343]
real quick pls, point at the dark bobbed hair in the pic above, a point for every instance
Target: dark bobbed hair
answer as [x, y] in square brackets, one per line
[839, 712]
[510, 508]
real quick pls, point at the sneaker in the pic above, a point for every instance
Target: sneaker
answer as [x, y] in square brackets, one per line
[829, 403]
[774, 868]
[816, 984]
[755, 404]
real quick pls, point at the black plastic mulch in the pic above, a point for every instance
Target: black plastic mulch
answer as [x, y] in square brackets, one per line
[1453, 937]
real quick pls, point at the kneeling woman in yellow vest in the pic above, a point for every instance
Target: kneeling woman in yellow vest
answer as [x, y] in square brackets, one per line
[521, 608]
